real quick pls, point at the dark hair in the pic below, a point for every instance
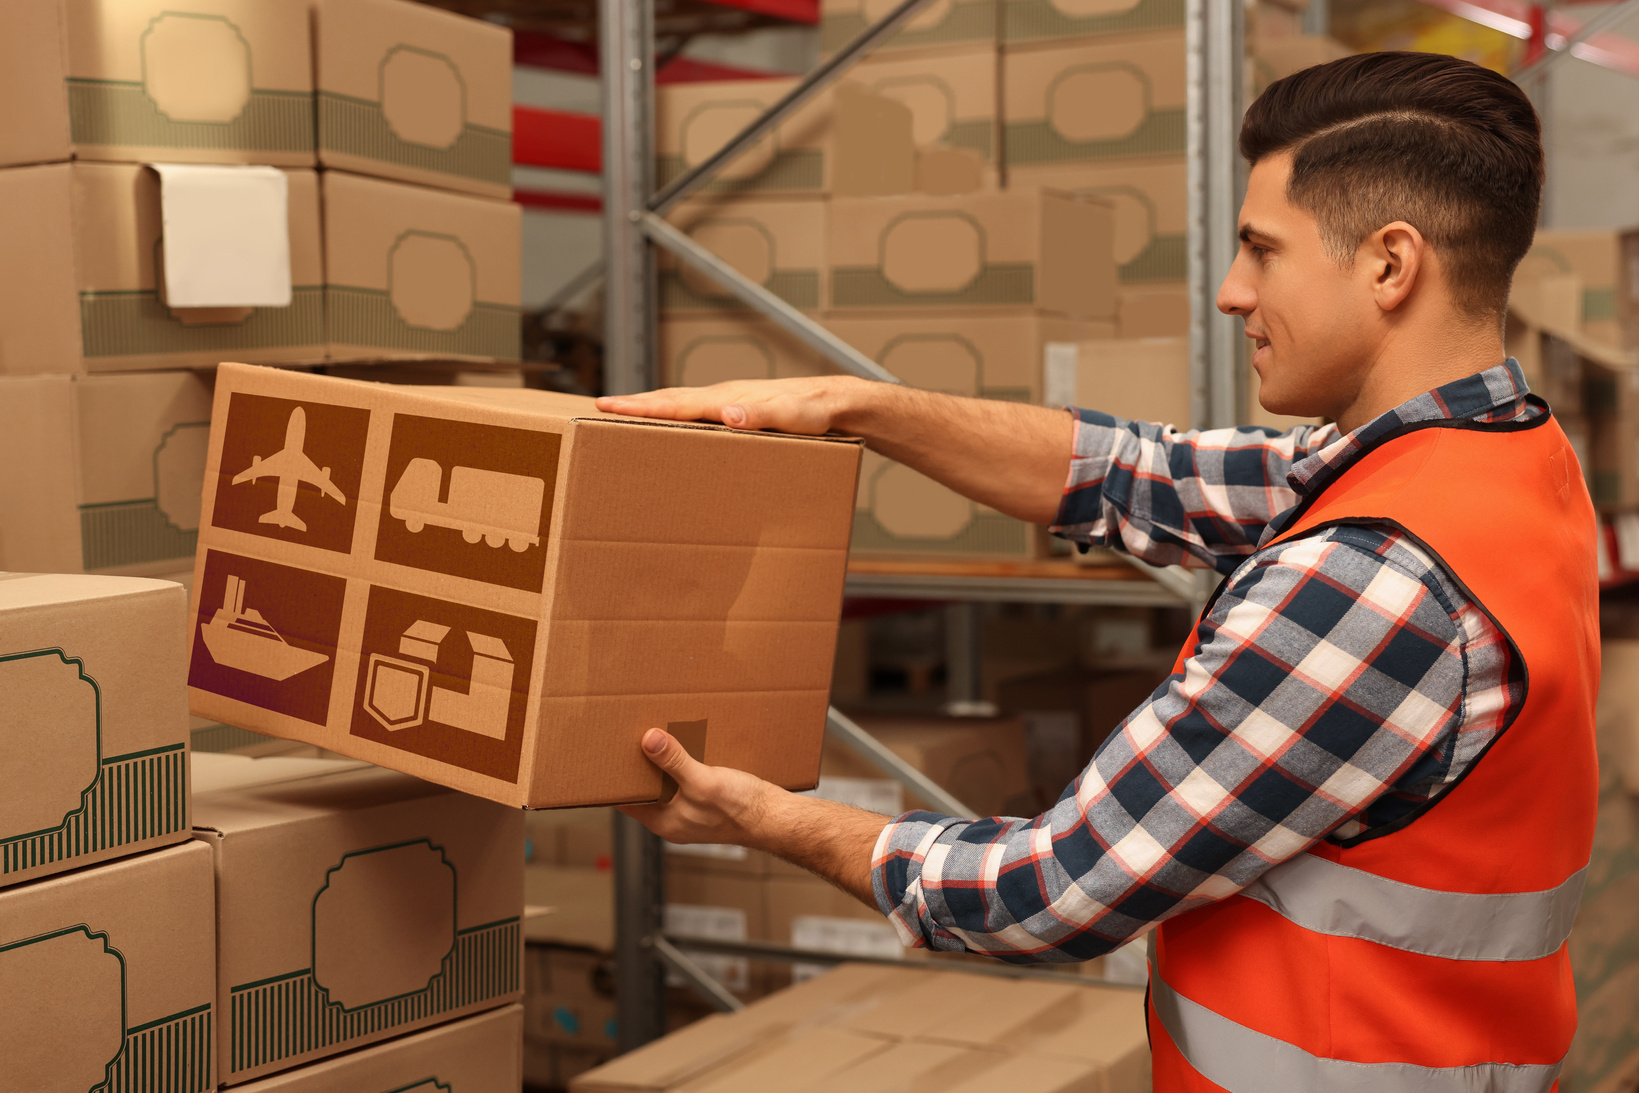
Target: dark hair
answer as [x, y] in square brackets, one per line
[1441, 143]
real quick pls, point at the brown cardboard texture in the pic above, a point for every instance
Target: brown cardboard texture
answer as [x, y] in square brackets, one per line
[952, 98]
[1026, 22]
[412, 272]
[481, 1054]
[410, 92]
[354, 906]
[1594, 260]
[569, 996]
[83, 287]
[1033, 249]
[1115, 99]
[939, 25]
[500, 590]
[1150, 199]
[900, 511]
[1143, 379]
[693, 120]
[697, 351]
[580, 901]
[779, 245]
[1153, 311]
[92, 723]
[39, 531]
[106, 977]
[179, 81]
[1276, 56]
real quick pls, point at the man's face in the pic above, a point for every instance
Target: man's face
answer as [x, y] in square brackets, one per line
[1311, 321]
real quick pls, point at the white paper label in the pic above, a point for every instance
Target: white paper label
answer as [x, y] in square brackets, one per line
[1058, 374]
[715, 924]
[881, 795]
[226, 235]
[715, 851]
[848, 936]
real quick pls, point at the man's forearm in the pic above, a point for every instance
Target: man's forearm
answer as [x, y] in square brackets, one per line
[1010, 456]
[832, 840]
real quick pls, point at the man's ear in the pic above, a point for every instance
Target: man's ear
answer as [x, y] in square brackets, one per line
[1396, 255]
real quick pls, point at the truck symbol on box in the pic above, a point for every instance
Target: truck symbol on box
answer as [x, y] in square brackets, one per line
[494, 506]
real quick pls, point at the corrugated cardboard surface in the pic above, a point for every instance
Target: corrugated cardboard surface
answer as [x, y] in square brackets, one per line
[1153, 311]
[898, 510]
[953, 97]
[1021, 249]
[693, 120]
[92, 723]
[1151, 203]
[413, 272]
[107, 977]
[940, 25]
[82, 290]
[876, 1027]
[478, 1055]
[354, 906]
[179, 81]
[1143, 379]
[514, 635]
[410, 92]
[779, 245]
[699, 350]
[1115, 99]
[1594, 258]
[38, 531]
[1027, 21]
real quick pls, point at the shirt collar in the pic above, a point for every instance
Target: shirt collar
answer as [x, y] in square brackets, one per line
[1496, 394]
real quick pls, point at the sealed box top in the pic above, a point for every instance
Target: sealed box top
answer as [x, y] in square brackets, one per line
[500, 590]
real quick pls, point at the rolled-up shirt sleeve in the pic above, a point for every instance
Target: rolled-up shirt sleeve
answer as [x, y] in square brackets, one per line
[1168, 497]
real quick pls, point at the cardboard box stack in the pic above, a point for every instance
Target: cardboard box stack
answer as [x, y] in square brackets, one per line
[884, 1028]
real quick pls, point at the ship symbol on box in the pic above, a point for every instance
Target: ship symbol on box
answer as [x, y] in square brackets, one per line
[239, 637]
[399, 692]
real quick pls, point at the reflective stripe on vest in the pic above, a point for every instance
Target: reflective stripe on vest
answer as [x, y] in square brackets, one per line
[1242, 1060]
[1334, 899]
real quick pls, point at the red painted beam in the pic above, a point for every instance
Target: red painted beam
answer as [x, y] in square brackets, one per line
[557, 139]
[558, 201]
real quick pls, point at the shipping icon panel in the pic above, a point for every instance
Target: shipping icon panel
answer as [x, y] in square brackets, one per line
[444, 680]
[291, 470]
[469, 500]
[266, 634]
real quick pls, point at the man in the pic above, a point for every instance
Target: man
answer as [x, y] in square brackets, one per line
[1361, 807]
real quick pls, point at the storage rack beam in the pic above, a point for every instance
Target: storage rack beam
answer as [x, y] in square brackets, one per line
[839, 726]
[626, 45]
[698, 979]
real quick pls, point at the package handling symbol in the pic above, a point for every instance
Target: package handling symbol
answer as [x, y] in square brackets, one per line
[399, 692]
[292, 467]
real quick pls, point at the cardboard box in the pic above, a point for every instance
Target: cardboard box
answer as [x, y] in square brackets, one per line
[899, 511]
[37, 532]
[1100, 101]
[940, 25]
[480, 1054]
[569, 996]
[693, 120]
[779, 245]
[107, 976]
[807, 913]
[412, 272]
[85, 288]
[719, 907]
[1036, 249]
[352, 906]
[195, 81]
[536, 621]
[885, 1028]
[954, 104]
[410, 92]
[1274, 57]
[92, 723]
[1142, 379]
[1590, 301]
[1038, 21]
[697, 350]
[581, 905]
[1151, 203]
[581, 837]
[980, 761]
[1153, 311]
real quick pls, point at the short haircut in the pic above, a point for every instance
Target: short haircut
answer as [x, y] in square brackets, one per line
[1440, 143]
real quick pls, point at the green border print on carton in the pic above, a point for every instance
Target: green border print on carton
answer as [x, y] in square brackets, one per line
[90, 935]
[289, 1015]
[794, 170]
[967, 22]
[1165, 258]
[1035, 20]
[977, 135]
[104, 112]
[1160, 133]
[132, 798]
[359, 127]
[743, 340]
[994, 283]
[136, 323]
[116, 533]
[984, 390]
[798, 287]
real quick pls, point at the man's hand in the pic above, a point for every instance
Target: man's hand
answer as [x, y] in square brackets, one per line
[723, 805]
[808, 406]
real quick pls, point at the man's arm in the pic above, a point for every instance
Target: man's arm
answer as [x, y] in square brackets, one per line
[1010, 456]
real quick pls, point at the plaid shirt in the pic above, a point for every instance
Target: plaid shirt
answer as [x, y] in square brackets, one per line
[1341, 680]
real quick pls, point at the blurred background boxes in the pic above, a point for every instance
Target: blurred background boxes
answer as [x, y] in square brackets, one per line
[778, 244]
[1028, 22]
[939, 25]
[954, 103]
[692, 121]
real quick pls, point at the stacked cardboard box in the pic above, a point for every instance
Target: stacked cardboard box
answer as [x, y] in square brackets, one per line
[883, 1028]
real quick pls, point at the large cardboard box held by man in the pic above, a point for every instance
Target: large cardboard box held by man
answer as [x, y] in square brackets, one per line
[92, 725]
[107, 977]
[168, 81]
[478, 1055]
[500, 590]
[84, 288]
[410, 92]
[352, 906]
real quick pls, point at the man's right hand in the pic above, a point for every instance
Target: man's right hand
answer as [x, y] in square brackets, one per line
[808, 406]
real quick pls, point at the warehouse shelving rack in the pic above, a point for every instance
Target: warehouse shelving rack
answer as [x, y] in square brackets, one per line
[634, 225]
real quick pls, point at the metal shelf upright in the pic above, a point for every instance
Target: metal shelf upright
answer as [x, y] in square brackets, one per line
[634, 224]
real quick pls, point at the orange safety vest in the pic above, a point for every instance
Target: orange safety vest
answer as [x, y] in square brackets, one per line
[1430, 957]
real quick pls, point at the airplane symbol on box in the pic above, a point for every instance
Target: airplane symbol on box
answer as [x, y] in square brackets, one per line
[292, 468]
